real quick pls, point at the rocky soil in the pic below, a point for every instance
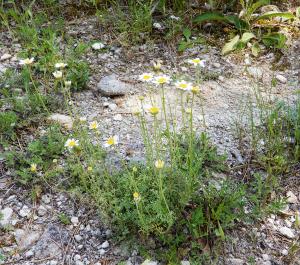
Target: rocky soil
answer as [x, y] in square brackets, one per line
[59, 229]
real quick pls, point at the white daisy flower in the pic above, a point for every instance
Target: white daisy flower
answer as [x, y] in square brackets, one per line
[183, 85]
[94, 125]
[58, 74]
[26, 61]
[68, 84]
[146, 77]
[161, 79]
[60, 65]
[111, 141]
[71, 143]
[197, 62]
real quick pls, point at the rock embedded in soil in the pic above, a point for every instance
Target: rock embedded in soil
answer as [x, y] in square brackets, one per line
[255, 72]
[287, 232]
[25, 239]
[5, 56]
[105, 244]
[50, 243]
[74, 220]
[291, 197]
[25, 211]
[235, 261]
[6, 214]
[64, 120]
[111, 86]
[282, 79]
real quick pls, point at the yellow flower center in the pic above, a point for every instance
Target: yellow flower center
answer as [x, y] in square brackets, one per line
[146, 77]
[89, 168]
[196, 60]
[72, 143]
[33, 168]
[159, 164]
[94, 125]
[154, 110]
[161, 80]
[183, 85]
[136, 195]
[111, 141]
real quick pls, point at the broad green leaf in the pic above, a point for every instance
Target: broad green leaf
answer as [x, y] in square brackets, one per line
[187, 33]
[286, 15]
[208, 16]
[256, 6]
[247, 36]
[275, 39]
[231, 45]
[216, 16]
[255, 49]
[237, 22]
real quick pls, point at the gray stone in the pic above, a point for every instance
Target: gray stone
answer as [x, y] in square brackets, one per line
[266, 257]
[46, 199]
[255, 72]
[110, 85]
[118, 117]
[287, 232]
[291, 197]
[105, 244]
[5, 56]
[112, 106]
[5, 215]
[25, 239]
[50, 243]
[102, 252]
[41, 210]
[74, 220]
[64, 120]
[185, 262]
[29, 254]
[25, 211]
[78, 238]
[282, 79]
[235, 261]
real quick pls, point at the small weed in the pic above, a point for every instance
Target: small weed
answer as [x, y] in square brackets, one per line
[64, 219]
[8, 123]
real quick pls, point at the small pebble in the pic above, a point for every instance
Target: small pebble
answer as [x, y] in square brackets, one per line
[282, 79]
[74, 220]
[105, 244]
[29, 254]
[78, 238]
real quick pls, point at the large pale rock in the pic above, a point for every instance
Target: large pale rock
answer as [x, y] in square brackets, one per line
[287, 232]
[255, 72]
[110, 86]
[64, 120]
[50, 243]
[5, 56]
[26, 239]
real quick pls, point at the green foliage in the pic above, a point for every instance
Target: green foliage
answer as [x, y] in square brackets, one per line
[64, 219]
[187, 42]
[245, 26]
[8, 122]
[274, 40]
[41, 152]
